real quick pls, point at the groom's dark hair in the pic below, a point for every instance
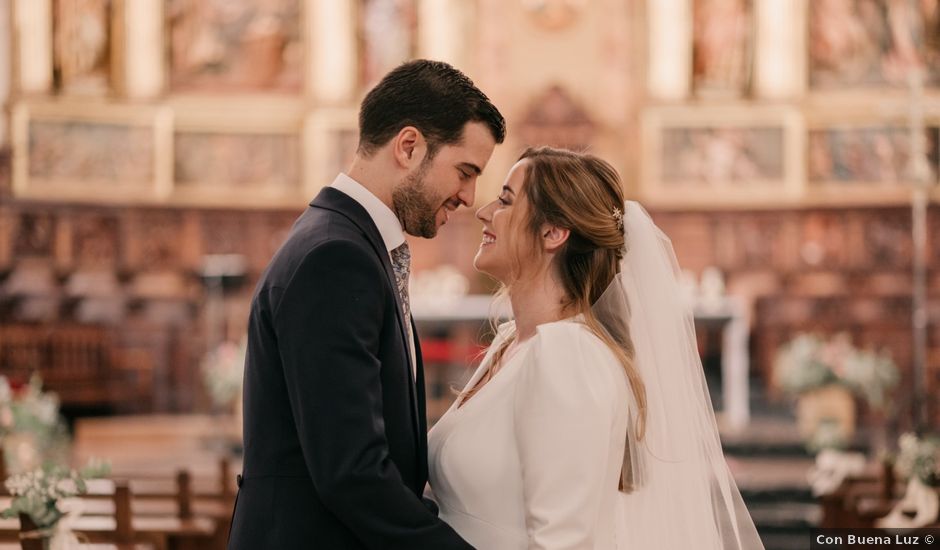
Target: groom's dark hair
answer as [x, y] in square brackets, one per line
[432, 96]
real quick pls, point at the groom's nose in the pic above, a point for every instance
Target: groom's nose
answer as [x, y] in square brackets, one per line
[466, 193]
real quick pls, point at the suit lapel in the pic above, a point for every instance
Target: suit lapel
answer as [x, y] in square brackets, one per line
[341, 203]
[422, 410]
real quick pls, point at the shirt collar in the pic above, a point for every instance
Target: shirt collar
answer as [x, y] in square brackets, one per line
[385, 220]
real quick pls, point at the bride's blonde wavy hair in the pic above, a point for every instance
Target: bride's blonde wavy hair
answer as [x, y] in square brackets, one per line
[581, 193]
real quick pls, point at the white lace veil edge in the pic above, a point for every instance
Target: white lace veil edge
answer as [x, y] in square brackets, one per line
[678, 490]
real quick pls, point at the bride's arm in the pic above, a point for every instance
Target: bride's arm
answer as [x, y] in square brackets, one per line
[564, 405]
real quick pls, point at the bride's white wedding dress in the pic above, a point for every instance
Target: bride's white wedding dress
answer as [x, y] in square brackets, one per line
[533, 460]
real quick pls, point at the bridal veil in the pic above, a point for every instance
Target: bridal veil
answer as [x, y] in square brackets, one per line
[679, 492]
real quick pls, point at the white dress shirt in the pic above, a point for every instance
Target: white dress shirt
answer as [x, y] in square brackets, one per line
[389, 228]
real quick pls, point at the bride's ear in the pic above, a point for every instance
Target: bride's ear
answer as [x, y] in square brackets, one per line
[554, 237]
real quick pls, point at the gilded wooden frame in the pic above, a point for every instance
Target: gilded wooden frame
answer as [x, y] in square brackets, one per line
[682, 192]
[156, 121]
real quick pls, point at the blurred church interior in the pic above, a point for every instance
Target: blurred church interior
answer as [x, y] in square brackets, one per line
[154, 153]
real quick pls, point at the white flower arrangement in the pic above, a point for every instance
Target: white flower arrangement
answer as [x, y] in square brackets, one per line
[28, 410]
[808, 362]
[31, 429]
[919, 457]
[38, 493]
[223, 370]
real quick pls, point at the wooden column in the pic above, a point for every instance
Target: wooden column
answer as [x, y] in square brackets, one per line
[138, 52]
[780, 52]
[445, 30]
[6, 71]
[669, 42]
[333, 51]
[32, 32]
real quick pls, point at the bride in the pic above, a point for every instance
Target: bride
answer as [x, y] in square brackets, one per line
[588, 423]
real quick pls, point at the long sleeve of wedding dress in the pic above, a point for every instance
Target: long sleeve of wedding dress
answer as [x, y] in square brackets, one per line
[533, 460]
[570, 410]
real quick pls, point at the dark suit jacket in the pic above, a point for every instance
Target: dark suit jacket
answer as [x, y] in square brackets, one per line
[335, 427]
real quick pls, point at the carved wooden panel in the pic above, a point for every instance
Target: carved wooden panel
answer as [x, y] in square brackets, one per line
[933, 237]
[270, 229]
[156, 240]
[96, 239]
[262, 163]
[743, 242]
[34, 235]
[714, 155]
[90, 154]
[867, 155]
[827, 270]
[693, 238]
[888, 240]
[724, 155]
[225, 233]
[823, 240]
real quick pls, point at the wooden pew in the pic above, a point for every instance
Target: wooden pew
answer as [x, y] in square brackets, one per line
[83, 364]
[859, 501]
[89, 546]
[116, 535]
[122, 525]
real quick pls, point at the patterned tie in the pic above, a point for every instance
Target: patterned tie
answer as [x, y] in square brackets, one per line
[401, 264]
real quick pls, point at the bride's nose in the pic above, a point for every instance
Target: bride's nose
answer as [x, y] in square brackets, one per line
[483, 214]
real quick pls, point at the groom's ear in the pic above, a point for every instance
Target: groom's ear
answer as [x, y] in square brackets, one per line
[409, 147]
[554, 237]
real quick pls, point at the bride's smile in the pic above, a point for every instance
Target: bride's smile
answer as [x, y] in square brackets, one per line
[494, 256]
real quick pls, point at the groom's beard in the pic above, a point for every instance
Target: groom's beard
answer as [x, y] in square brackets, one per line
[415, 205]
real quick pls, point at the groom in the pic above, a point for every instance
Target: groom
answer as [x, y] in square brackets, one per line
[335, 423]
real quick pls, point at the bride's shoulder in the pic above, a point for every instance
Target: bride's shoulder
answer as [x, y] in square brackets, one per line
[571, 341]
[568, 354]
[567, 332]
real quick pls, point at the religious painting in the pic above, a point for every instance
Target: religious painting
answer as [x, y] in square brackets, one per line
[866, 155]
[82, 46]
[720, 156]
[84, 152]
[236, 46]
[387, 37]
[722, 47]
[255, 162]
[111, 154]
[873, 42]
